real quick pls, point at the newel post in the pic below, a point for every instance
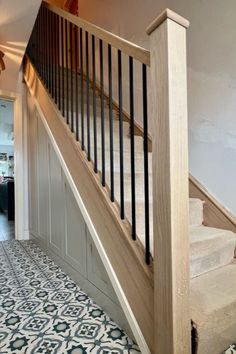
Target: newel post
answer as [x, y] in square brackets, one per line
[170, 183]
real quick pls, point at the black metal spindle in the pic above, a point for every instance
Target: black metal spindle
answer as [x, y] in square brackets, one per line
[88, 94]
[102, 113]
[94, 106]
[71, 79]
[43, 40]
[50, 53]
[53, 56]
[122, 204]
[82, 87]
[44, 45]
[76, 84]
[146, 171]
[39, 43]
[132, 147]
[47, 49]
[55, 59]
[67, 72]
[36, 44]
[59, 62]
[63, 67]
[111, 122]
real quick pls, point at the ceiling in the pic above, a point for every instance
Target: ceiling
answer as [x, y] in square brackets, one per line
[6, 123]
[16, 22]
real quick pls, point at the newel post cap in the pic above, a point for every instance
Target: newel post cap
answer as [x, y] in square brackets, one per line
[167, 14]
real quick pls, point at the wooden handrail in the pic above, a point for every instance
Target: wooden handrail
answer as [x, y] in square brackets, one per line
[125, 46]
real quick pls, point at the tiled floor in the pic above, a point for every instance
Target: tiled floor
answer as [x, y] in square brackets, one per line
[7, 228]
[43, 311]
[231, 350]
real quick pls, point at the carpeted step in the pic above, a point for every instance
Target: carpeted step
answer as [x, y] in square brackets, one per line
[195, 209]
[213, 309]
[210, 249]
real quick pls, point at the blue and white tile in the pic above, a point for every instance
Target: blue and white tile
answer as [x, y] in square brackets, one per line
[43, 311]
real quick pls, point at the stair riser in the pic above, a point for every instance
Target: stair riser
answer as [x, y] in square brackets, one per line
[139, 162]
[213, 260]
[116, 141]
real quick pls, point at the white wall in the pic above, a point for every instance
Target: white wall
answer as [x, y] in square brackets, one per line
[211, 43]
[16, 22]
[7, 149]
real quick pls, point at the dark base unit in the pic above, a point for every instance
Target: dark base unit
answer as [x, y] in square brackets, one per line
[7, 199]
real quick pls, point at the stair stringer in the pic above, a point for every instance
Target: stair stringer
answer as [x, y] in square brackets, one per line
[123, 258]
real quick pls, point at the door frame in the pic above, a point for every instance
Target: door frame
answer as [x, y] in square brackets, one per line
[20, 161]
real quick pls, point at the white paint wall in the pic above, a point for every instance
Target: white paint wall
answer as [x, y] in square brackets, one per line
[211, 43]
[7, 149]
[16, 23]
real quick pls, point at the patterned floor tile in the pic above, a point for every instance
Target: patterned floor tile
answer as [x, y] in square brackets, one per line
[231, 350]
[43, 311]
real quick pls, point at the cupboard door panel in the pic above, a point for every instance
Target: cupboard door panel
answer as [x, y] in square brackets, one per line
[97, 273]
[56, 204]
[75, 233]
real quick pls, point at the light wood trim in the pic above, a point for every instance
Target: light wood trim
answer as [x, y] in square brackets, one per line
[215, 215]
[167, 14]
[126, 256]
[127, 47]
[170, 189]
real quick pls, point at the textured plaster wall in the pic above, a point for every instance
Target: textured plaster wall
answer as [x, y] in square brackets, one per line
[211, 44]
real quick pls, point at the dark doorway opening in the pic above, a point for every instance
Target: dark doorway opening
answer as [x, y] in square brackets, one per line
[7, 184]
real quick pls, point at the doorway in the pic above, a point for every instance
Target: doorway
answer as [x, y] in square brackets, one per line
[7, 173]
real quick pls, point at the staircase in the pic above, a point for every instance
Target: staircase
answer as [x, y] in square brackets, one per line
[211, 248]
[212, 268]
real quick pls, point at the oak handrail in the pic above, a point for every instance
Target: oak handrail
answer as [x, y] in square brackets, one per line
[127, 47]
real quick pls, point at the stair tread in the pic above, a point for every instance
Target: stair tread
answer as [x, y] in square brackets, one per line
[214, 290]
[204, 233]
[210, 249]
[213, 308]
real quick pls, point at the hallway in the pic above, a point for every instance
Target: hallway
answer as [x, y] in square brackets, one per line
[7, 228]
[43, 311]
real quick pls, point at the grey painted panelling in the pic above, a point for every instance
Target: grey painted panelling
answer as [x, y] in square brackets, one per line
[43, 181]
[56, 203]
[75, 233]
[96, 271]
[33, 172]
[58, 225]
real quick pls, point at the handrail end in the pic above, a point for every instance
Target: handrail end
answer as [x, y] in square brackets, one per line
[167, 14]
